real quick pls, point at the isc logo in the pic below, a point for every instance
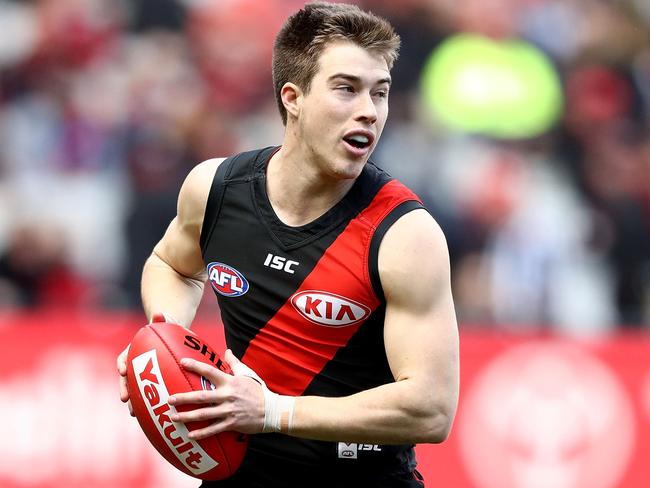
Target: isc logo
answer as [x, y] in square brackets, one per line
[278, 262]
[328, 309]
[226, 280]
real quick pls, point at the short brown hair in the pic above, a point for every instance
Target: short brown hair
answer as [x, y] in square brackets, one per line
[306, 33]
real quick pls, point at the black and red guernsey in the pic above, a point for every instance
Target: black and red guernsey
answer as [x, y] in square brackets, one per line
[303, 306]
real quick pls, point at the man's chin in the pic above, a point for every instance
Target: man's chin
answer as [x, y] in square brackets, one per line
[349, 170]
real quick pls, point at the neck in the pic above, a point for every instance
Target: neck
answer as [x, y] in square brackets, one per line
[298, 190]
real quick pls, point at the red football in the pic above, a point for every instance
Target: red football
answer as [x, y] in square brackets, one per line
[153, 373]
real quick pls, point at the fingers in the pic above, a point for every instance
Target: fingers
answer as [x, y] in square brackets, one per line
[204, 369]
[212, 412]
[192, 397]
[121, 369]
[216, 376]
[233, 405]
[121, 361]
[124, 392]
[124, 395]
[215, 428]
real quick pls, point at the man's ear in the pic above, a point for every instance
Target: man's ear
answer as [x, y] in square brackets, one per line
[291, 96]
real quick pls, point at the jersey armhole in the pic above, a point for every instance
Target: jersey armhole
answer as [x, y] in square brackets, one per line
[213, 205]
[373, 255]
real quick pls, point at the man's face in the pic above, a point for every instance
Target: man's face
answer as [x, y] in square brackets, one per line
[344, 112]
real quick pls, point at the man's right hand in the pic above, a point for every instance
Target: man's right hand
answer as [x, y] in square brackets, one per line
[121, 369]
[121, 365]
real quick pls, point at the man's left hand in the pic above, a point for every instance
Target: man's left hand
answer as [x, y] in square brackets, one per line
[235, 404]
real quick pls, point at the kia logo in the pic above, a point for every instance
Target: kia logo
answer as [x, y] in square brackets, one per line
[329, 309]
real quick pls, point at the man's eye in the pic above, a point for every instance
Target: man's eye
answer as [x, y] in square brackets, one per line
[346, 88]
[381, 94]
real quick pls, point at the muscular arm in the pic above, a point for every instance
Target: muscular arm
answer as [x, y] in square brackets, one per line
[174, 275]
[421, 338]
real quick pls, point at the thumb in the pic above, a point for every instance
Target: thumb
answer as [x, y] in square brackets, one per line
[230, 359]
[238, 368]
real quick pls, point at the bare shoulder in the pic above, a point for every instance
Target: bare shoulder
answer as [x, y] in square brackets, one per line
[193, 195]
[413, 237]
[179, 247]
[414, 252]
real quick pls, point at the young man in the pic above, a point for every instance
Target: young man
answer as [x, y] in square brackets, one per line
[332, 280]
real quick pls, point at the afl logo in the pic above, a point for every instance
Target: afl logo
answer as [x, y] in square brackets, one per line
[226, 280]
[324, 308]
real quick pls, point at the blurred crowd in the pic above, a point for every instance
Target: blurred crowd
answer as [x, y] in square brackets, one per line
[106, 105]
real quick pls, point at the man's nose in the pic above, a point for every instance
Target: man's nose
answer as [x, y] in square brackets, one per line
[366, 111]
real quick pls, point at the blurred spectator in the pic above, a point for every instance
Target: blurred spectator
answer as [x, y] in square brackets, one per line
[158, 15]
[105, 106]
[34, 271]
[232, 42]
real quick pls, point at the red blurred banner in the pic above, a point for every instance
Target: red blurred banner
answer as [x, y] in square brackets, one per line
[535, 412]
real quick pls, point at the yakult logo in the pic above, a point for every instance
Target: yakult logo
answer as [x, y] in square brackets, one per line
[175, 434]
[324, 308]
[226, 280]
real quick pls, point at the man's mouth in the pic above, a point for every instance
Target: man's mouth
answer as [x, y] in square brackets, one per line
[360, 139]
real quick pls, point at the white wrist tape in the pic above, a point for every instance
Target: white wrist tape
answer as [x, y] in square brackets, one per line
[278, 409]
[278, 412]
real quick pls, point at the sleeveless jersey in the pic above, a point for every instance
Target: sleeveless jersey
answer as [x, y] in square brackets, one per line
[303, 306]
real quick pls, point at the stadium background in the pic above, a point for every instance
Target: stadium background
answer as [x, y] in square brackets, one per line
[523, 124]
